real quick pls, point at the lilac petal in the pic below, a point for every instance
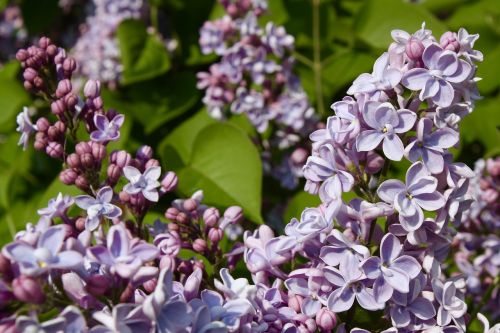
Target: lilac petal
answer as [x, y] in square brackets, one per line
[430, 201]
[101, 122]
[334, 276]
[371, 267]
[151, 195]
[388, 190]
[422, 185]
[397, 279]
[112, 211]
[341, 300]
[424, 128]
[463, 71]
[413, 151]
[144, 251]
[393, 76]
[67, 260]
[442, 138]
[407, 264]
[349, 266]
[331, 255]
[416, 78]
[393, 148]
[412, 223]
[386, 114]
[445, 95]
[19, 252]
[407, 119]
[99, 136]
[118, 241]
[310, 307]
[447, 62]
[105, 194]
[128, 269]
[430, 89]
[91, 223]
[400, 316]
[382, 291]
[431, 55]
[153, 173]
[118, 120]
[346, 179]
[422, 308]
[52, 239]
[101, 254]
[433, 160]
[390, 248]
[443, 317]
[380, 65]
[369, 112]
[367, 301]
[84, 201]
[131, 173]
[368, 140]
[415, 172]
[131, 189]
[298, 286]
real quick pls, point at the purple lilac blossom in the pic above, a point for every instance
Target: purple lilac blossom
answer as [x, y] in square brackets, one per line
[25, 127]
[107, 130]
[98, 207]
[145, 183]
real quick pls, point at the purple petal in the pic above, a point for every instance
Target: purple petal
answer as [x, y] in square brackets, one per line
[413, 222]
[422, 185]
[447, 62]
[91, 223]
[331, 255]
[388, 190]
[404, 205]
[442, 138]
[443, 317]
[385, 114]
[430, 89]
[52, 239]
[153, 173]
[371, 267]
[433, 160]
[334, 276]
[397, 279]
[390, 248]
[310, 307]
[407, 119]
[341, 300]
[101, 122]
[144, 251]
[118, 120]
[380, 65]
[382, 291]
[463, 71]
[128, 269]
[131, 173]
[67, 260]
[367, 301]
[19, 252]
[422, 308]
[118, 241]
[99, 136]
[430, 201]
[416, 78]
[298, 286]
[369, 112]
[400, 316]
[349, 266]
[415, 172]
[445, 95]
[112, 211]
[407, 264]
[151, 195]
[101, 254]
[431, 55]
[84, 201]
[393, 147]
[105, 194]
[368, 140]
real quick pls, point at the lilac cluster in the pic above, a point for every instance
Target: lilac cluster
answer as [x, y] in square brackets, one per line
[477, 242]
[255, 77]
[97, 50]
[12, 31]
[385, 250]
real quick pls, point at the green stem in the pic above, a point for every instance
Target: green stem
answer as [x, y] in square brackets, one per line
[153, 13]
[303, 59]
[317, 56]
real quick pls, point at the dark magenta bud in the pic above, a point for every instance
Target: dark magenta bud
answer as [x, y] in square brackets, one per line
[169, 182]
[144, 153]
[54, 149]
[42, 124]
[64, 87]
[28, 290]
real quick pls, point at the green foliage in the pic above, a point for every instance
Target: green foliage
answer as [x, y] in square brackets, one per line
[299, 202]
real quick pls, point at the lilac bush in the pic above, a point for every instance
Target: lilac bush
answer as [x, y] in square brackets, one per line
[378, 263]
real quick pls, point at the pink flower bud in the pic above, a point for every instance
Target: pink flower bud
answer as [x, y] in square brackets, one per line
[22, 55]
[71, 100]
[299, 156]
[295, 302]
[98, 284]
[64, 87]
[414, 49]
[28, 290]
[42, 124]
[169, 243]
[200, 245]
[58, 107]
[448, 41]
[68, 176]
[73, 160]
[326, 319]
[190, 205]
[151, 163]
[144, 153]
[211, 216]
[171, 213]
[92, 89]
[29, 74]
[114, 172]
[69, 65]
[234, 214]
[182, 218]
[185, 267]
[169, 182]
[43, 42]
[124, 196]
[215, 235]
[5, 267]
[80, 224]
[490, 195]
[98, 151]
[87, 160]
[51, 50]
[150, 285]
[82, 148]
[198, 264]
[54, 150]
[82, 183]
[123, 158]
[493, 166]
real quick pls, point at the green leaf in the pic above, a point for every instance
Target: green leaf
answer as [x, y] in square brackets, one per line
[225, 164]
[299, 202]
[10, 70]
[143, 54]
[12, 99]
[488, 71]
[377, 18]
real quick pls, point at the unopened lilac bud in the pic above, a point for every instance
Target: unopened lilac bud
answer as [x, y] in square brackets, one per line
[169, 243]
[87, 160]
[40, 141]
[54, 149]
[144, 153]
[167, 262]
[73, 160]
[98, 102]
[169, 182]
[43, 42]
[92, 89]
[71, 100]
[234, 214]
[150, 285]
[182, 218]
[68, 176]
[5, 266]
[98, 284]
[83, 148]
[51, 50]
[173, 227]
[190, 205]
[64, 87]
[114, 172]
[69, 65]
[80, 223]
[28, 85]
[295, 302]
[151, 163]
[310, 324]
[185, 267]
[493, 167]
[61, 127]
[124, 196]
[22, 55]
[42, 124]
[137, 200]
[414, 49]
[54, 134]
[58, 107]
[299, 156]
[448, 41]
[200, 245]
[326, 319]
[38, 82]
[490, 195]
[171, 213]
[81, 182]
[211, 216]
[29, 74]
[28, 290]
[198, 264]
[123, 158]
[215, 235]
[98, 151]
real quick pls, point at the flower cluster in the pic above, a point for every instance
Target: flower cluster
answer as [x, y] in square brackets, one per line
[385, 250]
[97, 49]
[255, 77]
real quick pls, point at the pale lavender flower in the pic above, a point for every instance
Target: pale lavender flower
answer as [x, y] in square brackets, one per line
[234, 288]
[340, 248]
[402, 38]
[443, 69]
[392, 271]
[409, 200]
[277, 39]
[98, 207]
[313, 223]
[56, 207]
[430, 146]
[452, 115]
[47, 254]
[31, 324]
[107, 130]
[122, 255]
[75, 322]
[123, 317]
[350, 280]
[213, 35]
[455, 172]
[382, 78]
[386, 123]
[408, 306]
[146, 183]
[25, 127]
[466, 42]
[311, 285]
[451, 307]
[203, 321]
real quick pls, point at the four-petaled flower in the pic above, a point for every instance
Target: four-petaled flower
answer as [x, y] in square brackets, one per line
[25, 127]
[98, 207]
[386, 124]
[57, 207]
[146, 183]
[451, 307]
[107, 130]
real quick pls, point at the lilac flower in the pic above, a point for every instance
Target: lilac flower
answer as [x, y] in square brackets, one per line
[122, 255]
[234, 288]
[409, 306]
[340, 248]
[451, 307]
[312, 286]
[57, 207]
[75, 322]
[402, 38]
[213, 34]
[409, 200]
[31, 324]
[392, 271]
[452, 115]
[123, 318]
[277, 39]
[430, 146]
[98, 207]
[107, 130]
[382, 78]
[313, 223]
[386, 123]
[435, 81]
[47, 254]
[25, 127]
[350, 281]
[203, 322]
[466, 42]
[146, 183]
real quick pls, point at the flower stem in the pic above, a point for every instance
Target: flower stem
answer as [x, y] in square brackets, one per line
[317, 56]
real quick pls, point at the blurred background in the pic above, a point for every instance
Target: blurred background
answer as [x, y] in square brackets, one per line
[147, 54]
